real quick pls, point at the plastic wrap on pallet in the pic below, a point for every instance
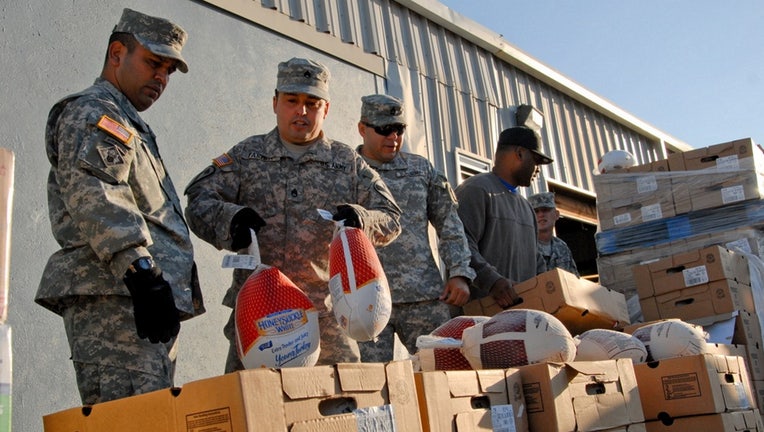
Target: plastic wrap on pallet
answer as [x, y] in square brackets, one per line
[615, 270]
[702, 222]
[668, 199]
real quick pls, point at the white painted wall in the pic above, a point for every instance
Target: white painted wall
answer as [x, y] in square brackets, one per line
[51, 48]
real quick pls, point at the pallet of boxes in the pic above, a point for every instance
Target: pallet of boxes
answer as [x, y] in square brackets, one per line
[563, 341]
[682, 239]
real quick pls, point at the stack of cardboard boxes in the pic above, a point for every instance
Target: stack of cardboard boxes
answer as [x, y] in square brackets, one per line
[691, 261]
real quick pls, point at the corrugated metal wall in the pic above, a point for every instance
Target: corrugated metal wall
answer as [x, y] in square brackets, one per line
[464, 94]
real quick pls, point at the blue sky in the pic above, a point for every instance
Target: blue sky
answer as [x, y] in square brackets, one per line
[691, 68]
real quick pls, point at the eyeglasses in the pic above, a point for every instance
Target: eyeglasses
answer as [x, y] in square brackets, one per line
[388, 129]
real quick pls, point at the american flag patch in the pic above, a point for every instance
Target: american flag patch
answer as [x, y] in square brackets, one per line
[222, 160]
[115, 129]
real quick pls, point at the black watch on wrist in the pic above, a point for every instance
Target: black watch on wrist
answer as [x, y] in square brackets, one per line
[141, 264]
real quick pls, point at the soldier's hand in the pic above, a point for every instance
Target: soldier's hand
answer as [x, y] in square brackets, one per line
[456, 292]
[349, 215]
[244, 220]
[156, 317]
[504, 293]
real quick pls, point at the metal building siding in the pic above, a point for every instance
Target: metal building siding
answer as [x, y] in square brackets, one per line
[467, 93]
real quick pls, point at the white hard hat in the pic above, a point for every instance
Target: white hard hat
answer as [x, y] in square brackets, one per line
[615, 159]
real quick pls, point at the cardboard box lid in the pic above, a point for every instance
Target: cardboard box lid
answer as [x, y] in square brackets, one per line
[310, 382]
[469, 383]
[552, 290]
[737, 154]
[561, 395]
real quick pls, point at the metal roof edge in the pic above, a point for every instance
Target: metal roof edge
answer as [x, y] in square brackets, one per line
[495, 43]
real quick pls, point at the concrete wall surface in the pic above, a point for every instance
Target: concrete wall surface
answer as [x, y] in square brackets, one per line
[54, 48]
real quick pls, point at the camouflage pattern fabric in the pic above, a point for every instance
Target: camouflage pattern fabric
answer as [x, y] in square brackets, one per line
[408, 321]
[261, 174]
[110, 203]
[157, 35]
[298, 75]
[559, 256]
[110, 361]
[425, 197]
[380, 110]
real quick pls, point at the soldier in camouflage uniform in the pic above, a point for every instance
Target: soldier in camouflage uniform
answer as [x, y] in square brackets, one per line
[420, 297]
[124, 277]
[555, 251]
[273, 184]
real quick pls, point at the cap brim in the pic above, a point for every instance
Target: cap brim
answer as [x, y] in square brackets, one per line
[308, 90]
[545, 160]
[168, 52]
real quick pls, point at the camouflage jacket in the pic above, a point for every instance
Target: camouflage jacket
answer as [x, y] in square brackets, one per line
[110, 201]
[560, 256]
[425, 197]
[260, 173]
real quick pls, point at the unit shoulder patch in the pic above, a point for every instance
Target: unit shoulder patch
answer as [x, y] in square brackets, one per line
[115, 129]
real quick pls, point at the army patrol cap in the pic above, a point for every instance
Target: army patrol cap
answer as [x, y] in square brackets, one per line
[300, 75]
[523, 137]
[542, 200]
[382, 110]
[157, 35]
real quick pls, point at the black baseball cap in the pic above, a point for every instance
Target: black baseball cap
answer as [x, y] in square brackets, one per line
[523, 137]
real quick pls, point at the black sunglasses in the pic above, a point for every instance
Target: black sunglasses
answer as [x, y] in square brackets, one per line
[388, 129]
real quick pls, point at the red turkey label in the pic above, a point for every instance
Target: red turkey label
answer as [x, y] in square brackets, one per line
[276, 323]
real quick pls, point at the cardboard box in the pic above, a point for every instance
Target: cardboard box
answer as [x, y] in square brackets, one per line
[339, 398]
[741, 154]
[152, 411]
[729, 172]
[578, 303]
[615, 270]
[634, 195]
[696, 302]
[739, 421]
[581, 396]
[466, 401]
[717, 189]
[693, 385]
[686, 269]
[726, 350]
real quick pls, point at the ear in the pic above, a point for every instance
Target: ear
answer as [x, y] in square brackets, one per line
[116, 53]
[326, 110]
[275, 101]
[519, 152]
[362, 129]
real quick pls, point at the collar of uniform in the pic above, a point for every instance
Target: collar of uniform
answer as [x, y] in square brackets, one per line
[399, 162]
[124, 103]
[321, 151]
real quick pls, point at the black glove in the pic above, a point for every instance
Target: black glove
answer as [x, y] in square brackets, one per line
[154, 309]
[243, 220]
[348, 213]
